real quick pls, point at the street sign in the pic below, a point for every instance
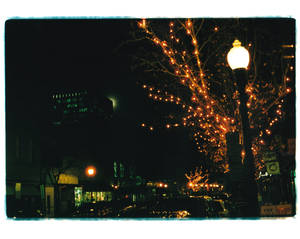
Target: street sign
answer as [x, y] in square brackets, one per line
[67, 179]
[273, 167]
[269, 156]
[276, 210]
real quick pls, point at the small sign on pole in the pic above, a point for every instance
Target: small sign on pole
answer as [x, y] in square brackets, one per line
[273, 167]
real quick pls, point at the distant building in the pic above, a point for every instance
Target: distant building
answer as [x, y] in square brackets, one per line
[75, 106]
[80, 130]
[77, 131]
[23, 154]
[79, 119]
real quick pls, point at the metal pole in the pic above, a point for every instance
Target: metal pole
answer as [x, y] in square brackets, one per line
[248, 181]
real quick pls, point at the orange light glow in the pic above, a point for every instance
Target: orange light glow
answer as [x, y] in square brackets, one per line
[188, 23]
[90, 171]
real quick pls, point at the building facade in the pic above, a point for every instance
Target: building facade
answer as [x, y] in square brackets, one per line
[23, 192]
[80, 133]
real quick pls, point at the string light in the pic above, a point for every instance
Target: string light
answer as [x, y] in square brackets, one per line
[209, 117]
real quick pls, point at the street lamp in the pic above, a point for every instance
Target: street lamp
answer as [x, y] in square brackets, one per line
[238, 59]
[90, 171]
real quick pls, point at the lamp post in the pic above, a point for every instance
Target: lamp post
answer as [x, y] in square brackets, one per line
[90, 172]
[238, 59]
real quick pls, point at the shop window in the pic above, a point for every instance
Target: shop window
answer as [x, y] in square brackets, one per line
[78, 196]
[93, 196]
[87, 197]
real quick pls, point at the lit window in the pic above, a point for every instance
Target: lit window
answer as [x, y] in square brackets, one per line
[83, 109]
[18, 190]
[18, 187]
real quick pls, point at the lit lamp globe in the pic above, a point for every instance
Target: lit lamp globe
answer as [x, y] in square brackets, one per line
[90, 171]
[238, 57]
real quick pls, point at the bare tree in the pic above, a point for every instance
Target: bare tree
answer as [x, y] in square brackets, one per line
[186, 64]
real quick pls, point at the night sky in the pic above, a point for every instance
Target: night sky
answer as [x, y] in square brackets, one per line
[47, 55]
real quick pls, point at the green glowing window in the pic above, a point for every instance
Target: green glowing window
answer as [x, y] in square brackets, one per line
[83, 109]
[87, 196]
[78, 196]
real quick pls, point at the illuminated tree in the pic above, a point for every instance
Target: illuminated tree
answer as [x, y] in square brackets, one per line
[187, 59]
[197, 179]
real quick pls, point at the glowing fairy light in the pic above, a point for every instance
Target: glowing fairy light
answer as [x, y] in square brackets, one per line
[209, 117]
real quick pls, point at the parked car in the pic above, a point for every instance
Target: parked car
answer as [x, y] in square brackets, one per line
[167, 208]
[99, 209]
[217, 208]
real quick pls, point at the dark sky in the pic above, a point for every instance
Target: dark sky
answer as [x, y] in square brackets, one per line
[45, 55]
